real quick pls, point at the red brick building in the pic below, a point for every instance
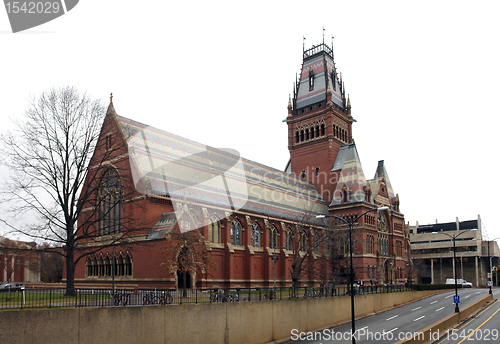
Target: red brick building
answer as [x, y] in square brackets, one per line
[153, 184]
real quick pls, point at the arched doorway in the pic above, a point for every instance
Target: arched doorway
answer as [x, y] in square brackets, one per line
[183, 280]
[387, 272]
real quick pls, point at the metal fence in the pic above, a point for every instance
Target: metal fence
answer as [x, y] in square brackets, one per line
[50, 298]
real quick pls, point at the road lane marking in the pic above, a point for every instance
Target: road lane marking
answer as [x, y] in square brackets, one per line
[423, 316]
[479, 326]
[359, 329]
[392, 317]
[449, 296]
[433, 302]
[437, 310]
[414, 309]
[384, 333]
[467, 296]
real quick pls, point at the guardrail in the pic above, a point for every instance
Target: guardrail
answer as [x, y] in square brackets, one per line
[56, 297]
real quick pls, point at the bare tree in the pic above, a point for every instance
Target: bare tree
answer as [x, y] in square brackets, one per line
[58, 162]
[306, 241]
[51, 263]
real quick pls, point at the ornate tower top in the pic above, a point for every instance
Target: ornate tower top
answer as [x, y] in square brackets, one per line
[318, 79]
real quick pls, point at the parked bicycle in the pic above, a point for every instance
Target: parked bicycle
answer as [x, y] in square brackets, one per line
[311, 294]
[220, 296]
[269, 295]
[156, 298]
[120, 297]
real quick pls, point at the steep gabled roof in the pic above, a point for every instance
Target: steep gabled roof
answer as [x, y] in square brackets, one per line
[351, 175]
[382, 175]
[165, 164]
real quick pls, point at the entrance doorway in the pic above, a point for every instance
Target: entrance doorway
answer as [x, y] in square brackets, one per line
[183, 280]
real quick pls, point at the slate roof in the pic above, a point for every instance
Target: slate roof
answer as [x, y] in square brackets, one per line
[166, 164]
[381, 174]
[319, 60]
[351, 175]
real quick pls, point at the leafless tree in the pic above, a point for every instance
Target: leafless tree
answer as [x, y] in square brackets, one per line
[51, 263]
[57, 159]
[306, 241]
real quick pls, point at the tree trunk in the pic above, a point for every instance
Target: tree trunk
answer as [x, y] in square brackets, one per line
[70, 272]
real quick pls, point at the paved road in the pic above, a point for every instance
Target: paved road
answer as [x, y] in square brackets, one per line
[393, 325]
[484, 328]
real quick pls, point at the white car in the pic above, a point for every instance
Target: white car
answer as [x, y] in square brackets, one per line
[460, 281]
[10, 287]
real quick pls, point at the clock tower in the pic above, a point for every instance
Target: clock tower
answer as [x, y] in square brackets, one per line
[319, 121]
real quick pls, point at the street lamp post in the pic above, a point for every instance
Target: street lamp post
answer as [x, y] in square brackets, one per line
[491, 272]
[453, 238]
[350, 223]
[462, 263]
[274, 268]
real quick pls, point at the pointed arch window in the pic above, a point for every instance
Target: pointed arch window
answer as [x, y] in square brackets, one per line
[273, 237]
[214, 229]
[311, 80]
[288, 239]
[302, 242]
[369, 244]
[110, 204]
[128, 265]
[255, 235]
[235, 233]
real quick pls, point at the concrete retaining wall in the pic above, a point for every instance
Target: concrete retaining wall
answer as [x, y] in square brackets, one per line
[242, 322]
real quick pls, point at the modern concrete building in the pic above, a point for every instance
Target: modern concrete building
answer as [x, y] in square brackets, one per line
[432, 252]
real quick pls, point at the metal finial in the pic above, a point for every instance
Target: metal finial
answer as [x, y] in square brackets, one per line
[111, 97]
[303, 44]
[323, 35]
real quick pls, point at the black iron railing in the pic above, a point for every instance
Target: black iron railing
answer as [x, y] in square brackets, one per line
[50, 298]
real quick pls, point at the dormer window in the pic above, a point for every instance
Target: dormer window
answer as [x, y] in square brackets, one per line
[332, 74]
[311, 80]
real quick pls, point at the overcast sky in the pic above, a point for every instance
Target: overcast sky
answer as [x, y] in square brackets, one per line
[423, 79]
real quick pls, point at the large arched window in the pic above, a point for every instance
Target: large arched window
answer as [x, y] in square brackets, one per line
[110, 204]
[235, 233]
[255, 235]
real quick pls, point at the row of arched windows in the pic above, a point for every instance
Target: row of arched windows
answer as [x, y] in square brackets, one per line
[103, 266]
[340, 133]
[236, 236]
[306, 134]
